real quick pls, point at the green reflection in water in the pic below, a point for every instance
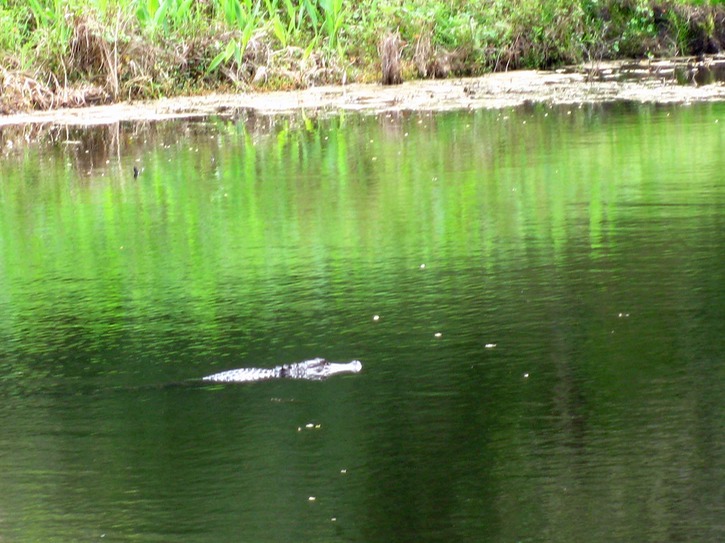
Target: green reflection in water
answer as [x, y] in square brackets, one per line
[586, 244]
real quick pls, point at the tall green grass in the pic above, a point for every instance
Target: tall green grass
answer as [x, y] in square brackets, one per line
[168, 46]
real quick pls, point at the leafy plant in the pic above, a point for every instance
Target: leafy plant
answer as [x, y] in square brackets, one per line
[289, 31]
[334, 14]
[47, 13]
[163, 14]
[245, 17]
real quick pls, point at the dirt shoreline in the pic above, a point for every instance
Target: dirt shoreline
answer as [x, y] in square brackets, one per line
[644, 82]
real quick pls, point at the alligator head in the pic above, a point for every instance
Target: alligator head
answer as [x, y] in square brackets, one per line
[318, 369]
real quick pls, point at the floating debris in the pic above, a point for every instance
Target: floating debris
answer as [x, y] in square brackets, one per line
[309, 426]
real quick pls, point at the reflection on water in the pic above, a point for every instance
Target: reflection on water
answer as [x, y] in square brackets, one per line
[545, 365]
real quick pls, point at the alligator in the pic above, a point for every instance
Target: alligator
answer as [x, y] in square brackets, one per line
[316, 369]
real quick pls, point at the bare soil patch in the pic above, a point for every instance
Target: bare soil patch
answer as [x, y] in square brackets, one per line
[658, 82]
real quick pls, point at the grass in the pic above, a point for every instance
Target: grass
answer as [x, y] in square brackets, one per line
[66, 52]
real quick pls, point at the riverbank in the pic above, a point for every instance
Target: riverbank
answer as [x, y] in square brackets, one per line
[597, 83]
[68, 53]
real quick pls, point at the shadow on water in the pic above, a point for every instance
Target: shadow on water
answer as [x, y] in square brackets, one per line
[685, 71]
[700, 73]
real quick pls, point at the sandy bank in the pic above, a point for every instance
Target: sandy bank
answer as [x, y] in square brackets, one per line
[649, 82]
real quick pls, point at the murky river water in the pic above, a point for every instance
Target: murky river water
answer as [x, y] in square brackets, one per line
[537, 296]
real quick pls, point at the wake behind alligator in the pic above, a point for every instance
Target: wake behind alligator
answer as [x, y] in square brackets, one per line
[316, 369]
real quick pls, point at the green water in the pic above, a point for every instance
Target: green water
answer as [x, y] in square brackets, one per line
[546, 364]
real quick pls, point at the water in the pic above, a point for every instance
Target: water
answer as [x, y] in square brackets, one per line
[546, 365]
